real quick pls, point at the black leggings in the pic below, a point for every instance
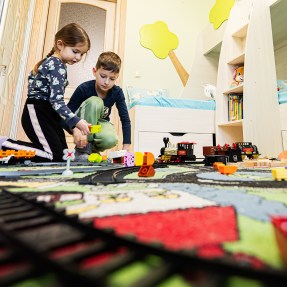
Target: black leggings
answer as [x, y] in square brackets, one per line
[43, 127]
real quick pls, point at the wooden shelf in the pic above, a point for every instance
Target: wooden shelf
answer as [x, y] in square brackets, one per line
[251, 46]
[238, 60]
[237, 123]
[235, 90]
[242, 32]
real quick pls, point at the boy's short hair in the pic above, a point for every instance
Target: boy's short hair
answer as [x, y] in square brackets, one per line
[109, 61]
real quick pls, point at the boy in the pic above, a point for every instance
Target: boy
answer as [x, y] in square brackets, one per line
[93, 100]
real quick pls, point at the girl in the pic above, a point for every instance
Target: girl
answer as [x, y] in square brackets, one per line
[45, 108]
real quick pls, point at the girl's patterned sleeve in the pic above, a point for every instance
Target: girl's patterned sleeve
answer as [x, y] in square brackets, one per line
[57, 80]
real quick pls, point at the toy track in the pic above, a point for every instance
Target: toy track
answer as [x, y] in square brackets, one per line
[110, 176]
[36, 240]
[115, 175]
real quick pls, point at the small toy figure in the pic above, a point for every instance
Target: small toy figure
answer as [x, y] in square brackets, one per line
[238, 77]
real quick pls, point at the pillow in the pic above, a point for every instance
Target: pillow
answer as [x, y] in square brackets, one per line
[136, 94]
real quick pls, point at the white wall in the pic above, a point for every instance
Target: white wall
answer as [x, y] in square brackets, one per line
[185, 18]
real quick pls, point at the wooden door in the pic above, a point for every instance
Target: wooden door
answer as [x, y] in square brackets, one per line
[98, 19]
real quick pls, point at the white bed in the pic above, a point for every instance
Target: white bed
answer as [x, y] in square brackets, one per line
[154, 118]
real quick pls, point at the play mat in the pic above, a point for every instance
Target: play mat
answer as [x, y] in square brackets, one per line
[222, 220]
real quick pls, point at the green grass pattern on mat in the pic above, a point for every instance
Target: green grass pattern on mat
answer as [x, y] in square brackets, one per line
[45, 281]
[257, 239]
[132, 273]
[241, 282]
[278, 195]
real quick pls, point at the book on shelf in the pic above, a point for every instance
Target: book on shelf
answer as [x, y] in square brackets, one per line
[235, 107]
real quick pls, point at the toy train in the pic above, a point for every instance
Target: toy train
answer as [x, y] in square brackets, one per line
[236, 152]
[180, 152]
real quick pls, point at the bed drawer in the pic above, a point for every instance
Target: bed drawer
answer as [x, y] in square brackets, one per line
[160, 119]
[153, 141]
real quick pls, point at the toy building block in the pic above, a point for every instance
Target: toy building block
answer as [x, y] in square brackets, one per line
[129, 159]
[95, 129]
[227, 169]
[279, 173]
[138, 158]
[95, 157]
[18, 154]
[117, 156]
[147, 169]
[280, 229]
[117, 153]
[217, 164]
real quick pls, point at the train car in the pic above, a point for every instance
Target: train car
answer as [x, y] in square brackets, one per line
[247, 149]
[179, 152]
[235, 152]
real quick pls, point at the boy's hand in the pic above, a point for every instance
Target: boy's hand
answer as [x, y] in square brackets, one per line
[126, 147]
[84, 127]
[79, 139]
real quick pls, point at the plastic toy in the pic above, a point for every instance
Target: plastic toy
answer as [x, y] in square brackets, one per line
[138, 158]
[181, 152]
[95, 157]
[95, 129]
[147, 169]
[6, 155]
[280, 229]
[238, 77]
[236, 152]
[227, 169]
[217, 164]
[211, 159]
[279, 173]
[69, 154]
[129, 159]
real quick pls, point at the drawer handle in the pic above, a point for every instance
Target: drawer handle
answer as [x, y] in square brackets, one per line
[178, 134]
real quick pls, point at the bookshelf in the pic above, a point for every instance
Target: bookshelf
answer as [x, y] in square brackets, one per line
[247, 42]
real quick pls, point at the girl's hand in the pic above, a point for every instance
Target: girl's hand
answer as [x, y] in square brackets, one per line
[84, 127]
[79, 139]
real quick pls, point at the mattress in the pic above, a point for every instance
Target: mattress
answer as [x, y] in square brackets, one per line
[174, 103]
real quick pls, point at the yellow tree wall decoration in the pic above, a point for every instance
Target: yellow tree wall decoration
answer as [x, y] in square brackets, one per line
[162, 42]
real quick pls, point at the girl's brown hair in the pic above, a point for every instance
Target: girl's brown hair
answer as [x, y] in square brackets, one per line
[71, 35]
